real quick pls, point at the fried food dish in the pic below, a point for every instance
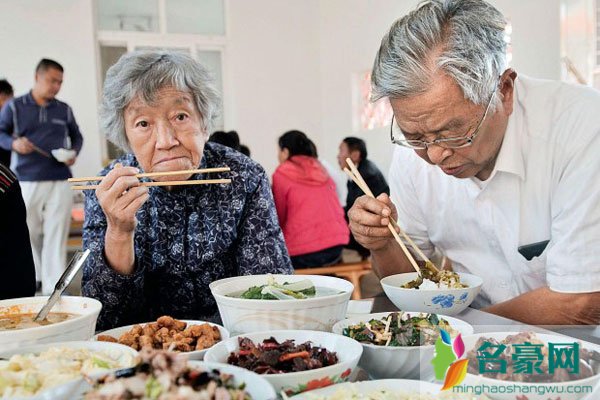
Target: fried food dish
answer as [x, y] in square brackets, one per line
[168, 333]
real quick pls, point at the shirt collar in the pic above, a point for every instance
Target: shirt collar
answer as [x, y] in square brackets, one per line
[510, 157]
[30, 100]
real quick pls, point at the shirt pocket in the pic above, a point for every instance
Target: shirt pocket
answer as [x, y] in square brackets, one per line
[58, 121]
[533, 273]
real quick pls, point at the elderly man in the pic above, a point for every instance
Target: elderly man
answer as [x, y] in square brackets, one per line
[155, 250]
[488, 163]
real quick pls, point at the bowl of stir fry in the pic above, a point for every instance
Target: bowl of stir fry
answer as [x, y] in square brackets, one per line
[292, 361]
[255, 303]
[447, 293]
[399, 344]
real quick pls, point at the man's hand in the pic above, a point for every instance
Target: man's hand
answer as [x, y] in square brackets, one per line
[22, 145]
[70, 162]
[369, 219]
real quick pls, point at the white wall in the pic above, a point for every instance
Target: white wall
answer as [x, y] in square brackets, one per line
[273, 67]
[61, 30]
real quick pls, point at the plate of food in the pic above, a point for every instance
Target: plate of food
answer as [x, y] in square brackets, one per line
[447, 292]
[162, 375]
[53, 371]
[538, 364]
[254, 303]
[292, 361]
[188, 337]
[399, 344]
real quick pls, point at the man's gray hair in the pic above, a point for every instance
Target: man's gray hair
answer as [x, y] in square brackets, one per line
[143, 74]
[463, 38]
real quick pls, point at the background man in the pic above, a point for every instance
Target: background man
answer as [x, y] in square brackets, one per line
[356, 149]
[33, 125]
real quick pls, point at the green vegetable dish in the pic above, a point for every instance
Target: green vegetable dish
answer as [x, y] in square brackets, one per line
[303, 289]
[400, 329]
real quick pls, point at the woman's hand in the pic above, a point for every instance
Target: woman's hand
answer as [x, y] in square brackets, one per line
[121, 196]
[369, 219]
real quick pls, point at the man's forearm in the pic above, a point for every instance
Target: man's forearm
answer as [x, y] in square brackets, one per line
[119, 251]
[390, 260]
[6, 141]
[546, 307]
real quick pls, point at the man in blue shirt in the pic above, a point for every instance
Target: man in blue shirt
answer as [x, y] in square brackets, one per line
[33, 126]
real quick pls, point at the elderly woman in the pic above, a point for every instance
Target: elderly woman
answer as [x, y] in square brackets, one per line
[155, 250]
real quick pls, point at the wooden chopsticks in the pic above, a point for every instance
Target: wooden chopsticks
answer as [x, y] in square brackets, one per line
[157, 174]
[360, 182]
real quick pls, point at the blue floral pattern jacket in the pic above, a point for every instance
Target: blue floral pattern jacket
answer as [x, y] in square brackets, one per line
[184, 240]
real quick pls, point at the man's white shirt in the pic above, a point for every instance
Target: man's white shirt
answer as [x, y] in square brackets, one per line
[545, 186]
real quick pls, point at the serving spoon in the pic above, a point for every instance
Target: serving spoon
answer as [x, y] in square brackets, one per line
[64, 281]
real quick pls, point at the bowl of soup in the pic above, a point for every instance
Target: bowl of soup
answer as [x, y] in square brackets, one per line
[255, 303]
[71, 318]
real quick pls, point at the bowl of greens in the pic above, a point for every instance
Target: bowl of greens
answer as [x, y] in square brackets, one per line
[254, 303]
[399, 344]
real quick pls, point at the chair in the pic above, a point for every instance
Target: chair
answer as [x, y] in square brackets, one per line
[350, 271]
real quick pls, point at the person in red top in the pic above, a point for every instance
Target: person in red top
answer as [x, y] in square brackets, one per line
[310, 214]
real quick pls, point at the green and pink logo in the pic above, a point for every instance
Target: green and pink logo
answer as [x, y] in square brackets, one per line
[447, 362]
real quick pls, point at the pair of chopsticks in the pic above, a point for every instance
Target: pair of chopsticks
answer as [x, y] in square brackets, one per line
[360, 182]
[157, 174]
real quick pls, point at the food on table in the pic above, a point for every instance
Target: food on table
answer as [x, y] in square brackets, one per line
[272, 357]
[168, 333]
[28, 374]
[589, 361]
[400, 329]
[162, 376]
[430, 279]
[26, 320]
[275, 291]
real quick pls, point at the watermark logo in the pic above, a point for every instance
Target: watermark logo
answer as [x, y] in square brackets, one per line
[447, 363]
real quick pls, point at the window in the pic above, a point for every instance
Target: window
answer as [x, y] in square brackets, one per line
[580, 41]
[192, 26]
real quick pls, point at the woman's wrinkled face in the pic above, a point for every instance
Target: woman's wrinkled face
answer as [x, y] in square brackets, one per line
[167, 135]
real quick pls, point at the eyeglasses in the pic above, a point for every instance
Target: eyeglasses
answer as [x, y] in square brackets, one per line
[448, 143]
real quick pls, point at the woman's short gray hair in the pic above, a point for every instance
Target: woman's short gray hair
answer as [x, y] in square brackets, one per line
[143, 74]
[463, 38]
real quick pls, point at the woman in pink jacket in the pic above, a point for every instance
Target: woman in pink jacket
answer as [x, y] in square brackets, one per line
[310, 214]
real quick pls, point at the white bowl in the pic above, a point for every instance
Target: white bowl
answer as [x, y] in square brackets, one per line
[256, 385]
[63, 155]
[190, 355]
[348, 352]
[434, 301]
[384, 362]
[70, 389]
[81, 327]
[534, 391]
[246, 315]
[396, 386]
